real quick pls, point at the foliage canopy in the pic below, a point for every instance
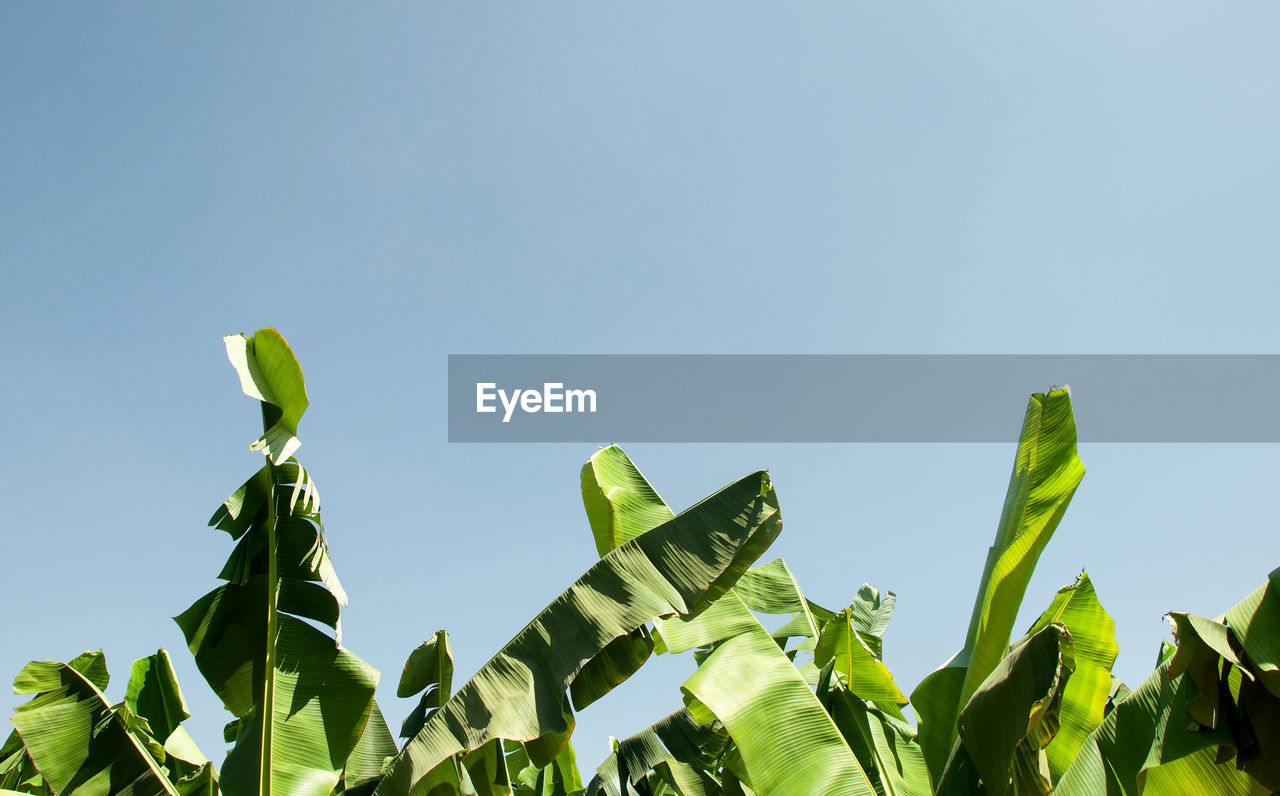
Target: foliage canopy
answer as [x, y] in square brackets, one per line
[786, 696]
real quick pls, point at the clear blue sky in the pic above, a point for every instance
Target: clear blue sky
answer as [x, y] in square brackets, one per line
[390, 184]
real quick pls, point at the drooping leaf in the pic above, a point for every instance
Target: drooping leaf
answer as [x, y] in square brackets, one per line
[679, 567]
[1205, 709]
[1144, 730]
[1255, 622]
[180, 746]
[995, 721]
[611, 667]
[93, 665]
[1046, 472]
[620, 505]
[1226, 691]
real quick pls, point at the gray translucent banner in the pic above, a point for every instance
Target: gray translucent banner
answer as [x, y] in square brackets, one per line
[856, 398]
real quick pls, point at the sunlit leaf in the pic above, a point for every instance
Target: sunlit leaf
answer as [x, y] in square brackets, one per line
[1046, 472]
[680, 567]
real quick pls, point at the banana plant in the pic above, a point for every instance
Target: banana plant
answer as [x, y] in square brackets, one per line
[1084, 697]
[1046, 472]
[861, 701]
[807, 707]
[678, 568]
[747, 684]
[306, 720]
[1208, 715]
[300, 700]
[70, 739]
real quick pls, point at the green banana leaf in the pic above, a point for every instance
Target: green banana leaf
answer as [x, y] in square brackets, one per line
[1084, 699]
[866, 677]
[1204, 716]
[871, 612]
[677, 740]
[485, 771]
[1132, 739]
[301, 699]
[152, 712]
[788, 743]
[154, 697]
[1199, 774]
[677, 779]
[994, 724]
[772, 589]
[77, 740]
[559, 777]
[1045, 475]
[17, 771]
[616, 496]
[769, 589]
[1255, 622]
[364, 765]
[153, 694]
[611, 667]
[203, 782]
[270, 373]
[883, 742]
[620, 503]
[428, 670]
[679, 567]
[1227, 691]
